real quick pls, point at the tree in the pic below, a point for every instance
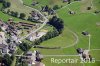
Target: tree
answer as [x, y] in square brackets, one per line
[7, 60]
[69, 1]
[8, 4]
[16, 14]
[46, 8]
[12, 13]
[88, 8]
[55, 7]
[24, 46]
[22, 15]
[57, 23]
[2, 1]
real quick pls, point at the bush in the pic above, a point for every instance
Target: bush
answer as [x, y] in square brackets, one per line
[22, 15]
[88, 8]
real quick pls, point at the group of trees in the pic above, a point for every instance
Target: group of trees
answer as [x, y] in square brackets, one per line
[5, 3]
[20, 62]
[55, 7]
[57, 23]
[16, 14]
[24, 46]
[22, 15]
[7, 60]
[49, 35]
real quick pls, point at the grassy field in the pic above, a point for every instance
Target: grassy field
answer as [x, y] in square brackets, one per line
[51, 3]
[50, 63]
[17, 6]
[97, 3]
[82, 20]
[64, 41]
[85, 4]
[0, 5]
[5, 18]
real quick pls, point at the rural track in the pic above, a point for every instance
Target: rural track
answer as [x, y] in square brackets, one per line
[76, 40]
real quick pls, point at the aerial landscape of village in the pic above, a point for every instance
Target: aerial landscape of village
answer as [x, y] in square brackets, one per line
[49, 32]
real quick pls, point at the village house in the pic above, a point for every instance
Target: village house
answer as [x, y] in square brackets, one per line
[84, 54]
[33, 58]
[4, 47]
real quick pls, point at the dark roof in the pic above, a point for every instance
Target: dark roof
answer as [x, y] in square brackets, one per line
[85, 33]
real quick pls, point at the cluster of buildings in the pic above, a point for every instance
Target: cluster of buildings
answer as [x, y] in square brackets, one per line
[49, 10]
[33, 58]
[36, 16]
[9, 34]
[6, 48]
[84, 54]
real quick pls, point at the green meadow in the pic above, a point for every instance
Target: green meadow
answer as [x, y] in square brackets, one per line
[82, 20]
